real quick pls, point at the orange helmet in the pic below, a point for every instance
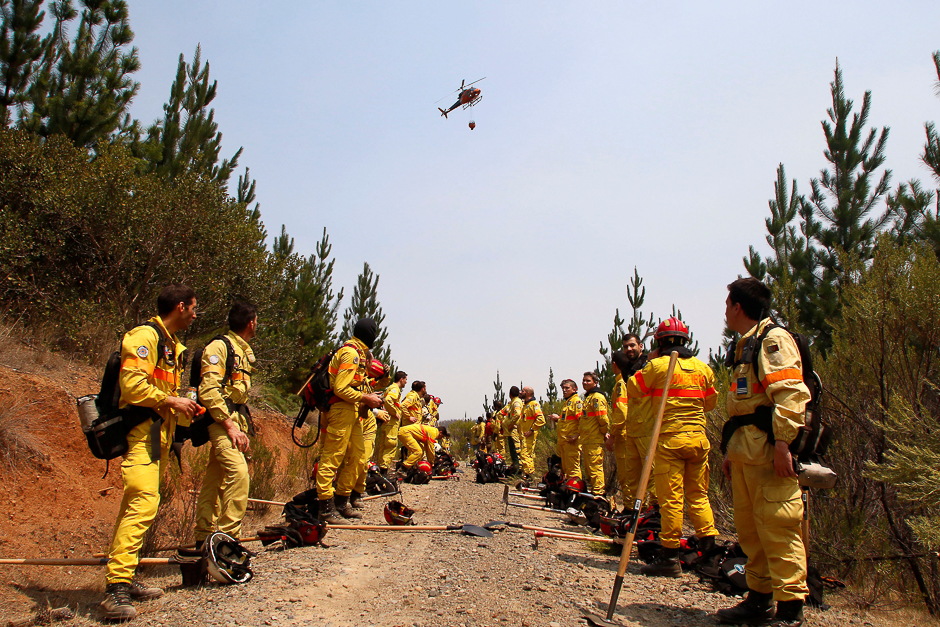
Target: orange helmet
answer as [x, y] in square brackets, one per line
[376, 369]
[425, 466]
[673, 327]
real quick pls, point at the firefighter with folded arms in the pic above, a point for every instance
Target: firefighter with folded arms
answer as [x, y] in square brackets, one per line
[681, 461]
[566, 427]
[387, 439]
[343, 430]
[149, 384]
[593, 432]
[223, 499]
[368, 418]
[532, 420]
[511, 426]
[767, 505]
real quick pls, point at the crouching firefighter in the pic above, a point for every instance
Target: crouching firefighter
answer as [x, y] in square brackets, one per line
[226, 379]
[766, 407]
[149, 380]
[340, 427]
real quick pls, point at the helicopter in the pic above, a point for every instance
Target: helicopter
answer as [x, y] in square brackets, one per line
[469, 96]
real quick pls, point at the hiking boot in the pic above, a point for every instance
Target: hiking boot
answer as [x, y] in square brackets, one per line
[789, 614]
[756, 609]
[666, 565]
[140, 592]
[327, 513]
[117, 604]
[355, 499]
[344, 508]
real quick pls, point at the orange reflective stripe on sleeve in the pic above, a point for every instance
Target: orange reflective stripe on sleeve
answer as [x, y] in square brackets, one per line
[593, 414]
[674, 393]
[133, 362]
[164, 375]
[641, 383]
[710, 392]
[782, 375]
[238, 376]
[342, 367]
[622, 399]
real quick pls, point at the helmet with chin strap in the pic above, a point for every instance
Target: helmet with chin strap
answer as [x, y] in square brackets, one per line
[396, 513]
[226, 560]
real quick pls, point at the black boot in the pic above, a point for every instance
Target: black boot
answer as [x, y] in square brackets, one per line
[789, 614]
[667, 565]
[327, 513]
[355, 499]
[117, 604]
[344, 508]
[706, 544]
[756, 609]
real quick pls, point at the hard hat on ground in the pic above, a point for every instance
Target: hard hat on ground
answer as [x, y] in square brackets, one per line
[226, 559]
[396, 513]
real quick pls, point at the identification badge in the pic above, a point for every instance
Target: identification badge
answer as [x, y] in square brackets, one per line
[742, 386]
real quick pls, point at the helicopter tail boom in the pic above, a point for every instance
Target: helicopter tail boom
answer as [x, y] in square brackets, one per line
[444, 113]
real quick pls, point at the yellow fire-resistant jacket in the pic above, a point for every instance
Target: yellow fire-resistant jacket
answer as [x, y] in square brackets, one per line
[570, 416]
[411, 409]
[147, 379]
[513, 416]
[532, 417]
[211, 394]
[778, 382]
[594, 423]
[348, 372]
[476, 432]
[501, 418]
[618, 409]
[391, 401]
[691, 393]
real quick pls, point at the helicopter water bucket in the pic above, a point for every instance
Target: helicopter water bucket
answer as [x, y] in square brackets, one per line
[473, 125]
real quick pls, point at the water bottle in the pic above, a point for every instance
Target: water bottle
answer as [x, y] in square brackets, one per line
[87, 411]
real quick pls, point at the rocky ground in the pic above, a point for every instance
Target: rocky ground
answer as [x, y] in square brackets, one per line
[446, 578]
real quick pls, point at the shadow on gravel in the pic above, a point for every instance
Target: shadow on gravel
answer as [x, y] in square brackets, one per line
[604, 563]
[658, 613]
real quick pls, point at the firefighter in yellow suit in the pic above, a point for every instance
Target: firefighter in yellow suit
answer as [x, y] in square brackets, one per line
[568, 447]
[368, 418]
[631, 432]
[617, 443]
[476, 435]
[532, 420]
[511, 426]
[149, 383]
[498, 441]
[768, 509]
[411, 413]
[340, 428]
[419, 439]
[681, 466]
[593, 432]
[387, 439]
[223, 498]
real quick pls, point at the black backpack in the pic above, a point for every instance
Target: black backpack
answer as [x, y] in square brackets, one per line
[199, 430]
[107, 435]
[813, 437]
[315, 393]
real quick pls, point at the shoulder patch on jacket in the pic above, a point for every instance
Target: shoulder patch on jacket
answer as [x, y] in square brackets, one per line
[143, 352]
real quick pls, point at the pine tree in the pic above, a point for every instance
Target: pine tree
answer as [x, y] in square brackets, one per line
[614, 343]
[188, 137]
[636, 295]
[365, 304]
[552, 392]
[84, 86]
[20, 50]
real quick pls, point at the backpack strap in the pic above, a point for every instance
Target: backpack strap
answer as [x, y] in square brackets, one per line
[135, 414]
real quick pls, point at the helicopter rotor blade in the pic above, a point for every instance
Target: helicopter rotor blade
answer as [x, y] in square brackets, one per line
[476, 81]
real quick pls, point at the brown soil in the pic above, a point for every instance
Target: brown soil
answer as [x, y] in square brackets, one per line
[56, 504]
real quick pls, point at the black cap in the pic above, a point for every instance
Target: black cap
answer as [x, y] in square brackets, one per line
[366, 330]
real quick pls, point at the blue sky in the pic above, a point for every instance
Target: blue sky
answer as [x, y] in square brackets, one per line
[611, 135]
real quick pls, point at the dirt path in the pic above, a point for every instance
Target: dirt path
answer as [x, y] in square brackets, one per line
[446, 578]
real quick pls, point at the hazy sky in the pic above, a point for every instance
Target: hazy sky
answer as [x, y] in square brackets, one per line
[611, 135]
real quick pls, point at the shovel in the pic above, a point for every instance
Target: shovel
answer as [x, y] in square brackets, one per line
[80, 561]
[575, 536]
[599, 621]
[470, 530]
[363, 498]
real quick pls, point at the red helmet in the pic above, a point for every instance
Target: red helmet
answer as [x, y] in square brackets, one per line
[310, 532]
[397, 514]
[437, 399]
[376, 369]
[673, 327]
[425, 467]
[575, 485]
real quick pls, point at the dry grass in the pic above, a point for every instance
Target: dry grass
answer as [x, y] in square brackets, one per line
[19, 443]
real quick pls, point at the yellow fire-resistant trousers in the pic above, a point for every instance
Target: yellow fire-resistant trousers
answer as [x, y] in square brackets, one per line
[767, 515]
[141, 479]
[223, 498]
[499, 446]
[527, 453]
[570, 455]
[417, 450]
[631, 453]
[681, 473]
[368, 447]
[386, 444]
[592, 459]
[343, 433]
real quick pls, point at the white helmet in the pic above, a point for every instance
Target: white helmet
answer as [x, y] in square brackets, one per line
[226, 559]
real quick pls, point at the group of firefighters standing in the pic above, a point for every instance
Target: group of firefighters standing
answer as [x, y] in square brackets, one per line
[362, 425]
[768, 508]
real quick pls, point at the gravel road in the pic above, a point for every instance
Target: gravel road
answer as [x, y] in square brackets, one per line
[447, 579]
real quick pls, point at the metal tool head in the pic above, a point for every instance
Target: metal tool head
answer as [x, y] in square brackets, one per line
[599, 621]
[476, 530]
[495, 524]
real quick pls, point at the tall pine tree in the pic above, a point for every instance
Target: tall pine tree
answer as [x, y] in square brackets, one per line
[365, 304]
[20, 50]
